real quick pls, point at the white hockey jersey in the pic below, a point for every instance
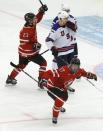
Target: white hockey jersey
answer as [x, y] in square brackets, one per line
[71, 19]
[62, 38]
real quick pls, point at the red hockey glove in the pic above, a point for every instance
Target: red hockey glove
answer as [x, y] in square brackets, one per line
[91, 76]
[43, 8]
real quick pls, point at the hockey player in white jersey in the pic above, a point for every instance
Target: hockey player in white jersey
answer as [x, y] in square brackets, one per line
[61, 41]
[72, 24]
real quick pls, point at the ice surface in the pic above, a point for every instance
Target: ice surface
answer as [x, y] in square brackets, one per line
[26, 108]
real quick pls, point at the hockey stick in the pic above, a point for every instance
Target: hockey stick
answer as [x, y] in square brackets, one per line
[54, 94]
[94, 86]
[41, 2]
[12, 64]
[44, 52]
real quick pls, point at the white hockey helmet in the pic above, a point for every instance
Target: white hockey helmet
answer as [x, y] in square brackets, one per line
[65, 7]
[63, 15]
[63, 18]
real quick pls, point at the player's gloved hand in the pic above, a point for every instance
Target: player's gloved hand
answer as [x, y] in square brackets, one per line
[72, 26]
[37, 46]
[42, 83]
[91, 76]
[43, 8]
[54, 51]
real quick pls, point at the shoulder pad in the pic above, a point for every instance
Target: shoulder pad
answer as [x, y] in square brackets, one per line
[55, 26]
[55, 20]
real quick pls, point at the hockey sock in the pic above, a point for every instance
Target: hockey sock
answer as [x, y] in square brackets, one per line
[16, 71]
[42, 69]
[57, 106]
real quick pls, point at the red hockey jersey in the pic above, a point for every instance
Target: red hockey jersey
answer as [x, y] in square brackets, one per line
[62, 77]
[28, 39]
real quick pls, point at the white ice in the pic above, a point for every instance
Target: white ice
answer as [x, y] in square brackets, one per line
[26, 108]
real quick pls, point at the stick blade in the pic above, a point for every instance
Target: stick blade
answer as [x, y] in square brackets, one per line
[12, 64]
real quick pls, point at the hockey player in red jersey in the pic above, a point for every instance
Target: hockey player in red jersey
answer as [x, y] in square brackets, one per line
[29, 46]
[58, 81]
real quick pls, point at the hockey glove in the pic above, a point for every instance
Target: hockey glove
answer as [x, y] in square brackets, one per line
[43, 8]
[54, 51]
[72, 26]
[42, 83]
[37, 46]
[91, 76]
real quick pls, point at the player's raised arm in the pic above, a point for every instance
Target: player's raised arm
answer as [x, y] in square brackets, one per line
[41, 12]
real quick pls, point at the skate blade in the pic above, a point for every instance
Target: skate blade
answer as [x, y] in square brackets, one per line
[39, 89]
[10, 85]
